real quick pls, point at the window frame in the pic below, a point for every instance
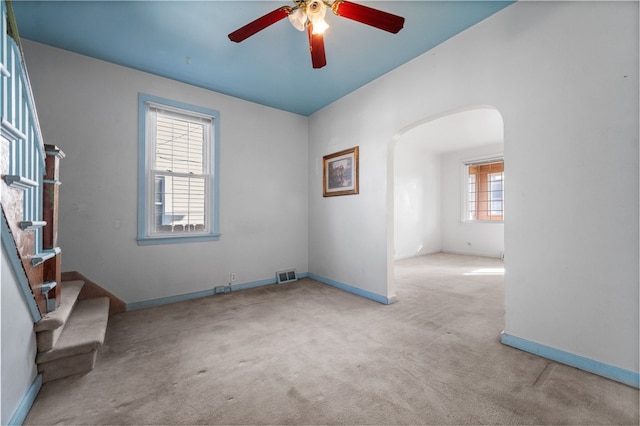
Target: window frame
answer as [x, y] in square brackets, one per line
[465, 196]
[491, 211]
[146, 199]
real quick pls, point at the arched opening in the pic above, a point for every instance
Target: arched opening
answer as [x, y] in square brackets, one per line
[429, 194]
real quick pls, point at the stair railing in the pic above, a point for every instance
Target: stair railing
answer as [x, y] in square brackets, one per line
[24, 158]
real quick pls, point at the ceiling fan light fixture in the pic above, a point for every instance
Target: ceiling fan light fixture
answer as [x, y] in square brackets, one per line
[316, 11]
[298, 19]
[319, 27]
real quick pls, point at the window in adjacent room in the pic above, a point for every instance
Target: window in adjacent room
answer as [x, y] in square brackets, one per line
[177, 182]
[484, 189]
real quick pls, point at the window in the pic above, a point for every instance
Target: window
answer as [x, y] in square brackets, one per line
[484, 190]
[177, 172]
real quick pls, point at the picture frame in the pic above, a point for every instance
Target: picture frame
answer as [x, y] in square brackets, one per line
[340, 173]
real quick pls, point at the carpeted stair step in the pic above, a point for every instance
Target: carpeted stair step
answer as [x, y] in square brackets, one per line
[49, 328]
[76, 349]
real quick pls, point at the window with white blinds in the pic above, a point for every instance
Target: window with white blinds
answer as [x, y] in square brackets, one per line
[179, 179]
[484, 188]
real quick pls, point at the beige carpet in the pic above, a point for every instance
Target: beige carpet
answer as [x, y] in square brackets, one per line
[307, 353]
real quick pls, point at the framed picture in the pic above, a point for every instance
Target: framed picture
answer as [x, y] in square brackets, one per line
[340, 173]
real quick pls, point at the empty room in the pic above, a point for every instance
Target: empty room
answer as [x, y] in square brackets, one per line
[448, 232]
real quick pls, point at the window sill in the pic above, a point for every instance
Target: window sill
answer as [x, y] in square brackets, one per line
[148, 241]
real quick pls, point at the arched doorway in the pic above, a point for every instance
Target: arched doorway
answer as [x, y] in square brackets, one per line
[427, 203]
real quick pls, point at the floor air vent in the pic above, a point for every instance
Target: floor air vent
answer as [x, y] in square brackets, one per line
[286, 276]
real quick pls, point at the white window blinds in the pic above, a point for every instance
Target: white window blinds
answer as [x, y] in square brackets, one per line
[180, 172]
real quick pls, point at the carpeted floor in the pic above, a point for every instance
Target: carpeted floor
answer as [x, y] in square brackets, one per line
[307, 353]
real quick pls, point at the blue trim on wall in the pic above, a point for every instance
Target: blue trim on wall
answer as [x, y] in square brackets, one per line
[142, 191]
[27, 402]
[167, 300]
[205, 293]
[9, 246]
[355, 290]
[609, 371]
[142, 188]
[254, 284]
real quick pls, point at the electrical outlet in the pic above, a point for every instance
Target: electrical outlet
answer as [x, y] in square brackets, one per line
[232, 277]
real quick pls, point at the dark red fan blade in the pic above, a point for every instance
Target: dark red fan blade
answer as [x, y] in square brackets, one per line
[259, 24]
[316, 46]
[370, 16]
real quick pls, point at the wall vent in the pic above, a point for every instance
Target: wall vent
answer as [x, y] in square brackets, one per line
[286, 276]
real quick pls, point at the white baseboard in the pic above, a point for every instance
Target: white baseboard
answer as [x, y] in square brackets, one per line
[475, 253]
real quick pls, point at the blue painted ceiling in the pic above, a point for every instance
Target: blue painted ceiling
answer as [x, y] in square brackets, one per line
[187, 41]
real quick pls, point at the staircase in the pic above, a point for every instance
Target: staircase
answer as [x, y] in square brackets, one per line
[69, 327]
[69, 338]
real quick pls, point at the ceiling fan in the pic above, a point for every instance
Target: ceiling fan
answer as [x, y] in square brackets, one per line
[310, 15]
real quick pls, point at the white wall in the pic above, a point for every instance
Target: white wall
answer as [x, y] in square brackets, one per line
[18, 344]
[89, 109]
[428, 185]
[564, 76]
[473, 238]
[417, 201]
